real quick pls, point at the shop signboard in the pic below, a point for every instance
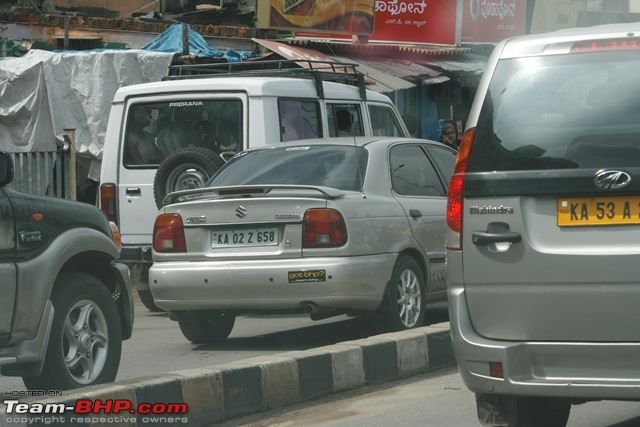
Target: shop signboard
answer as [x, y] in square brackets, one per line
[552, 15]
[394, 21]
[489, 21]
[327, 16]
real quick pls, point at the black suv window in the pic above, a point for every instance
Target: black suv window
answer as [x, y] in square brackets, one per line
[578, 110]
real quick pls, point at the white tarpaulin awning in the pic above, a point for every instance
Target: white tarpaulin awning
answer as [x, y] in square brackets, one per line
[44, 93]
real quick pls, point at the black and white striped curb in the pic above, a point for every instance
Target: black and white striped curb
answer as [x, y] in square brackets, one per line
[223, 392]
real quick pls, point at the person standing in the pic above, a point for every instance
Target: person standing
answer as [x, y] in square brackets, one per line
[449, 135]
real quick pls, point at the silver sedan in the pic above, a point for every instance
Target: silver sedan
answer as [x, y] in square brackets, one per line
[347, 225]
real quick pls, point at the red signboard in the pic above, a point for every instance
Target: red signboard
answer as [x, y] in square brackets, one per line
[412, 21]
[415, 21]
[486, 21]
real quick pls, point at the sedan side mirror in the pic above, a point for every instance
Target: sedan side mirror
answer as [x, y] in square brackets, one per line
[6, 169]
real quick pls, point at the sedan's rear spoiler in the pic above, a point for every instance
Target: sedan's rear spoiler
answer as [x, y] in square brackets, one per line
[249, 191]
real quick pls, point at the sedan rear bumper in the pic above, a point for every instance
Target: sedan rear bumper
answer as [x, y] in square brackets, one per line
[355, 283]
[579, 370]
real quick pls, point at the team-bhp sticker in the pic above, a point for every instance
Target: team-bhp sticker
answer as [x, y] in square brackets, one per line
[307, 276]
[87, 411]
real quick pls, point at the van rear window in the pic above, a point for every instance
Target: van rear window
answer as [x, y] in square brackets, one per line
[561, 112]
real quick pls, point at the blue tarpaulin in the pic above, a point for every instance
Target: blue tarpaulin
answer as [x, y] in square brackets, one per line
[171, 41]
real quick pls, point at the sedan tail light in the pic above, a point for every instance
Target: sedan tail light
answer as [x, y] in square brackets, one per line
[168, 234]
[455, 194]
[323, 228]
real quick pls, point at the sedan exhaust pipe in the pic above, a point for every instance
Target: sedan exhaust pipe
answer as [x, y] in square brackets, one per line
[316, 312]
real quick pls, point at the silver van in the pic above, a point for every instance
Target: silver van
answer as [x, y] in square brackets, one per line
[543, 227]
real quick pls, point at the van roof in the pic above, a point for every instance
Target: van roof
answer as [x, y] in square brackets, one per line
[253, 86]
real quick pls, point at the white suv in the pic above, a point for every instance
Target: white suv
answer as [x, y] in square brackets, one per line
[184, 128]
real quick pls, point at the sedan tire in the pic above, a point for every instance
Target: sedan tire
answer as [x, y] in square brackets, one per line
[407, 295]
[147, 300]
[207, 328]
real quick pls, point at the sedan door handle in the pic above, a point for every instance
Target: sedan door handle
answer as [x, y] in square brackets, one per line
[134, 191]
[415, 213]
[484, 238]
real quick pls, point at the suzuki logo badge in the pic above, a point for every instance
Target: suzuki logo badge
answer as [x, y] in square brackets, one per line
[611, 180]
[241, 212]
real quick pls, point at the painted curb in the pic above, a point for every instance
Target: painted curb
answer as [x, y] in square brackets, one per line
[222, 392]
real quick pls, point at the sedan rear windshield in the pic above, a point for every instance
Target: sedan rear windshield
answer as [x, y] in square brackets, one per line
[578, 110]
[341, 167]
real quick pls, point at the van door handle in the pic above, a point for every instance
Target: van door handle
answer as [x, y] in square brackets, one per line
[484, 238]
[415, 213]
[133, 191]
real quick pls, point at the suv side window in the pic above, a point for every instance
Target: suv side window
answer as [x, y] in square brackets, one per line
[157, 130]
[412, 173]
[299, 119]
[344, 120]
[383, 121]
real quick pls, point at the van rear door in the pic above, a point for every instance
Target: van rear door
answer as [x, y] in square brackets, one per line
[551, 213]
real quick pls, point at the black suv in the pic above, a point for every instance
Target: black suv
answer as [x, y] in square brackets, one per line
[65, 304]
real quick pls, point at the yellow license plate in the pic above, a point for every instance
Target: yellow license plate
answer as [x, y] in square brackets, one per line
[615, 210]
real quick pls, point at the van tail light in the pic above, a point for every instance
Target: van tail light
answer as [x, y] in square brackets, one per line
[115, 233]
[108, 201]
[455, 196]
[323, 228]
[168, 234]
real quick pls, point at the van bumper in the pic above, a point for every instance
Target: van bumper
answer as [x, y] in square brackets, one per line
[579, 370]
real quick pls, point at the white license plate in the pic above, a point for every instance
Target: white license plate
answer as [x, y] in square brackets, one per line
[245, 237]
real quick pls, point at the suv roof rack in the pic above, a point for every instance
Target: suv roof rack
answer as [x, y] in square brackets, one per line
[318, 71]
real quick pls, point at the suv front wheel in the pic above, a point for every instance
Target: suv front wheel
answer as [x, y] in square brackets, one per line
[86, 336]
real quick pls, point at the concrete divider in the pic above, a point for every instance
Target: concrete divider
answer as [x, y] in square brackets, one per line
[223, 392]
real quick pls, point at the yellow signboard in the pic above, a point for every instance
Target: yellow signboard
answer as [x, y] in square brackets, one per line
[328, 16]
[552, 15]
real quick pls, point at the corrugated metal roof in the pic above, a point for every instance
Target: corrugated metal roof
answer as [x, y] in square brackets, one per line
[383, 81]
[425, 49]
[465, 64]
[390, 73]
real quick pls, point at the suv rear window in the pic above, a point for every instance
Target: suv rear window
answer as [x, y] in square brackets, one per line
[157, 130]
[579, 110]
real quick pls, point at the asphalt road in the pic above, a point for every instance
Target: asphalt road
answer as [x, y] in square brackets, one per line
[158, 346]
[438, 399]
